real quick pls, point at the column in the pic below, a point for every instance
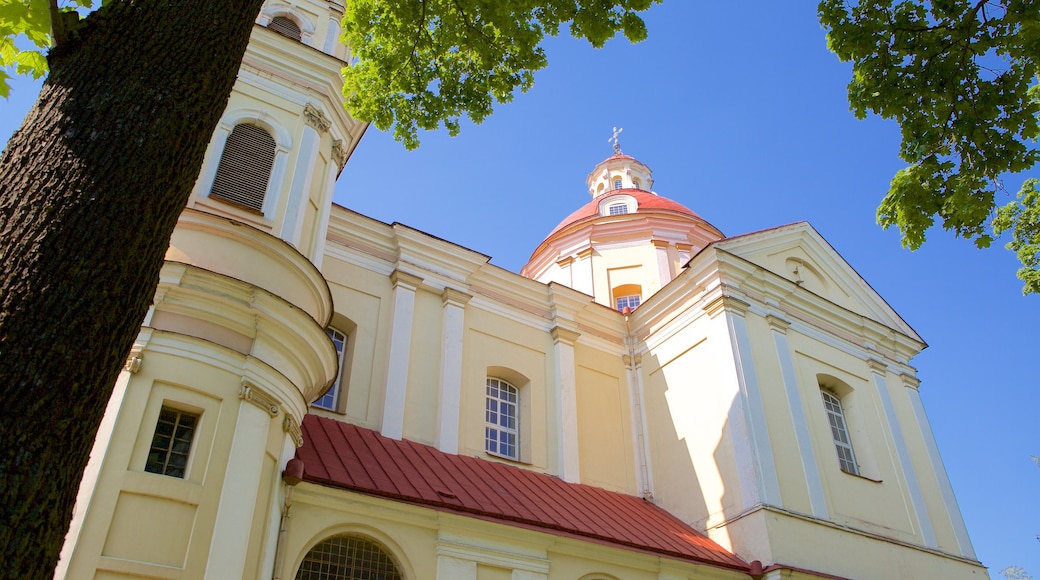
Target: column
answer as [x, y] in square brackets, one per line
[227, 551]
[325, 209]
[960, 531]
[453, 316]
[878, 370]
[747, 418]
[813, 484]
[402, 316]
[303, 173]
[581, 272]
[566, 404]
[664, 264]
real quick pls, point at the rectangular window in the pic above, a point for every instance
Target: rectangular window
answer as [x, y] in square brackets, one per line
[618, 209]
[840, 433]
[331, 396]
[627, 301]
[500, 415]
[171, 443]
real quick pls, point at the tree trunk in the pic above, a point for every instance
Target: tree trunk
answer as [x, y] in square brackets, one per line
[90, 190]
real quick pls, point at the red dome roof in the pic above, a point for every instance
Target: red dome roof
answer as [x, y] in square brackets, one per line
[644, 201]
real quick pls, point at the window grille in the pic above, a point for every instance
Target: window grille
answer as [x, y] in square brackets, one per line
[840, 433]
[286, 27]
[328, 400]
[501, 416]
[245, 167]
[617, 184]
[171, 443]
[348, 558]
[617, 209]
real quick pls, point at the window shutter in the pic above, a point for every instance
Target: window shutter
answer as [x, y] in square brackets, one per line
[285, 27]
[245, 167]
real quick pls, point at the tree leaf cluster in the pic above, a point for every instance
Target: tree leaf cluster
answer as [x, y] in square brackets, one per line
[28, 23]
[418, 64]
[959, 77]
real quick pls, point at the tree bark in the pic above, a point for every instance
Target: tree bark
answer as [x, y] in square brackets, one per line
[90, 190]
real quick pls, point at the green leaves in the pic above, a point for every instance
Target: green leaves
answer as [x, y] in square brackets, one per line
[1022, 219]
[28, 20]
[419, 64]
[960, 79]
[27, 23]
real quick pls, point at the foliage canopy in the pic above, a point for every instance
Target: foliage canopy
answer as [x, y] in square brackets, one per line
[422, 63]
[959, 77]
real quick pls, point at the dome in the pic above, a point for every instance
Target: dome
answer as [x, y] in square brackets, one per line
[624, 244]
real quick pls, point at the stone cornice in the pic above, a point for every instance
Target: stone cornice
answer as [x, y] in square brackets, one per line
[728, 304]
[292, 427]
[455, 297]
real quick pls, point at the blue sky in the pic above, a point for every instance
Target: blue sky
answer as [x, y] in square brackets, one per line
[743, 118]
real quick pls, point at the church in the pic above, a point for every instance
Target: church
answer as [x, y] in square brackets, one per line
[316, 394]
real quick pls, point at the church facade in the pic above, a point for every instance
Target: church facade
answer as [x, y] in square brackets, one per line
[318, 394]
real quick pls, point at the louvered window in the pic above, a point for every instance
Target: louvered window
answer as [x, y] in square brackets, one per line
[286, 27]
[245, 167]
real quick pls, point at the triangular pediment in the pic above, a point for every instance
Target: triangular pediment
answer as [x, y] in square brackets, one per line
[799, 253]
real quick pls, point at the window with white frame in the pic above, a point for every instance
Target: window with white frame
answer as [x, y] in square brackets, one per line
[630, 302]
[331, 397]
[501, 416]
[348, 557]
[617, 183]
[840, 432]
[245, 167]
[617, 208]
[171, 442]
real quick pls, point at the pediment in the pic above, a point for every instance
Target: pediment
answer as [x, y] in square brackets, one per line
[799, 253]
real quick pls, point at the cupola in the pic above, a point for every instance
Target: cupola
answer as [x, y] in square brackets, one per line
[626, 243]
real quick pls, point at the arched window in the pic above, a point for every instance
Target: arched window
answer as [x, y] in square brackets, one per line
[635, 184]
[331, 396]
[501, 414]
[617, 183]
[245, 167]
[348, 557]
[840, 433]
[286, 27]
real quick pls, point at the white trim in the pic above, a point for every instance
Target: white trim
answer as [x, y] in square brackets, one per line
[813, 483]
[300, 186]
[227, 551]
[453, 318]
[402, 316]
[899, 442]
[566, 411]
[960, 531]
[755, 416]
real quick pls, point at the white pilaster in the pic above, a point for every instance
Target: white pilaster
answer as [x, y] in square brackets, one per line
[402, 316]
[878, 369]
[664, 264]
[303, 174]
[640, 437]
[332, 36]
[227, 551]
[960, 531]
[581, 272]
[747, 418]
[449, 568]
[324, 211]
[566, 404]
[813, 483]
[453, 316]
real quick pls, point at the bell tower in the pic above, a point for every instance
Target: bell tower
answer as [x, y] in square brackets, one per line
[184, 478]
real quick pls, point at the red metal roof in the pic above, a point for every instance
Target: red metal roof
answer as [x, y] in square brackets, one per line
[645, 201]
[346, 456]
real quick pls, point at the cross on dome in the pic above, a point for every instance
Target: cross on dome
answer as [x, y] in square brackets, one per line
[614, 138]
